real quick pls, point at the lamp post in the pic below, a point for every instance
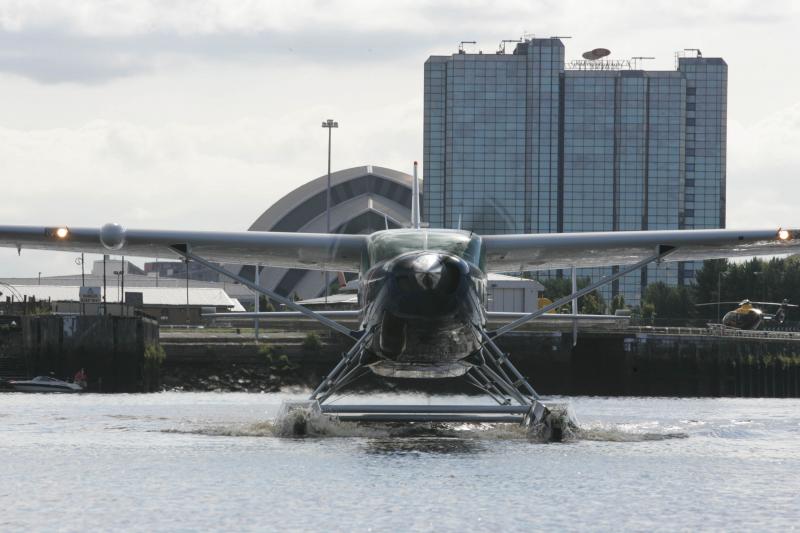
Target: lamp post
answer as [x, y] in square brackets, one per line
[122, 289]
[330, 124]
[79, 261]
[720, 275]
[105, 286]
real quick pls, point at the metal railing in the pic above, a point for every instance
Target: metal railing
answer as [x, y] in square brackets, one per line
[716, 331]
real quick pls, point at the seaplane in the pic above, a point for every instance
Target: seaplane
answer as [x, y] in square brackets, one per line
[423, 296]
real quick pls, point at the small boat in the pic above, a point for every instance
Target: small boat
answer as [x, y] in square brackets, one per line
[45, 384]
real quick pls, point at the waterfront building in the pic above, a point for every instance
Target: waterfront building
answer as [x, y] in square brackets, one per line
[530, 143]
[364, 199]
[167, 305]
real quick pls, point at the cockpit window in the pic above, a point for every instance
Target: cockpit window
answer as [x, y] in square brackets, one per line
[385, 246]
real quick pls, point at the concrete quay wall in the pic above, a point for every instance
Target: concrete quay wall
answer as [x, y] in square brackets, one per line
[607, 363]
[110, 349]
[635, 364]
[604, 362]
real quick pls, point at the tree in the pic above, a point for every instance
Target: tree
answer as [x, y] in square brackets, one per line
[617, 302]
[669, 302]
[265, 304]
[706, 279]
[555, 288]
[754, 279]
[648, 311]
[592, 304]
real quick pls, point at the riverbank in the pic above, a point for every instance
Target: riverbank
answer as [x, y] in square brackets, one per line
[681, 362]
[132, 355]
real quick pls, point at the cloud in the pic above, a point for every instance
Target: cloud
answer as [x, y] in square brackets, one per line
[216, 17]
[92, 42]
[763, 170]
[86, 41]
[207, 176]
[55, 57]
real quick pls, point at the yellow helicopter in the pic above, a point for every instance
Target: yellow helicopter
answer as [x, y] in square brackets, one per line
[748, 316]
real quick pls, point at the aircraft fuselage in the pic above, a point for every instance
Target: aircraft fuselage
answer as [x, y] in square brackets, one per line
[423, 294]
[743, 319]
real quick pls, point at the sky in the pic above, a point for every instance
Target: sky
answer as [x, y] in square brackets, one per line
[201, 114]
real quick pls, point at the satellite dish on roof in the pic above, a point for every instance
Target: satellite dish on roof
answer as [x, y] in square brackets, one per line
[597, 53]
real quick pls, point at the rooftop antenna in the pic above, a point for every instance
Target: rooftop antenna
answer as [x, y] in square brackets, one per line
[415, 215]
[637, 59]
[461, 46]
[459, 221]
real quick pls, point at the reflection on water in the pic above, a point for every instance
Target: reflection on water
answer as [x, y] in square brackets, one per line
[423, 445]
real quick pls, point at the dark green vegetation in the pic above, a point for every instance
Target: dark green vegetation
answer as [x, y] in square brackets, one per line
[154, 356]
[591, 304]
[757, 279]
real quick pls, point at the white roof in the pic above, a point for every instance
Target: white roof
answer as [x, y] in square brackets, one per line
[499, 280]
[339, 298]
[134, 281]
[208, 297]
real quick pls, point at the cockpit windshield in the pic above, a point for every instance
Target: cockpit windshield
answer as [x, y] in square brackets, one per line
[390, 244]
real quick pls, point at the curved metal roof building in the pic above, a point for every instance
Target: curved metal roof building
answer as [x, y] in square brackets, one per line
[363, 200]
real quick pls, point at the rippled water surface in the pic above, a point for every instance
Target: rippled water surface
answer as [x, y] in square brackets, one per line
[186, 461]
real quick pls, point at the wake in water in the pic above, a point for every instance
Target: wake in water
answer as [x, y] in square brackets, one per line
[307, 423]
[621, 433]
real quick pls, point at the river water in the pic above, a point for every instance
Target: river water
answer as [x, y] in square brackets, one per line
[199, 461]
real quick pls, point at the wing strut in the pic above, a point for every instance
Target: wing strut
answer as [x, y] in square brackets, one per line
[183, 251]
[661, 252]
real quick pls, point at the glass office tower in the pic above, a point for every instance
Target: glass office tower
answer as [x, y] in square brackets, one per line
[524, 142]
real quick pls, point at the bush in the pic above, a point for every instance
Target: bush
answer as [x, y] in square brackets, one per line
[311, 343]
[154, 356]
[277, 363]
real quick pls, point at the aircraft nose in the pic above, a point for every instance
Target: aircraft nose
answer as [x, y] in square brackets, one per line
[428, 272]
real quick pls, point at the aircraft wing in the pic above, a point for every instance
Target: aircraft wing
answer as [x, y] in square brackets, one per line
[288, 250]
[545, 251]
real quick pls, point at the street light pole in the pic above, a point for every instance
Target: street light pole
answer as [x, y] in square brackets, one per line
[105, 286]
[719, 284]
[122, 290]
[720, 275]
[257, 307]
[330, 124]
